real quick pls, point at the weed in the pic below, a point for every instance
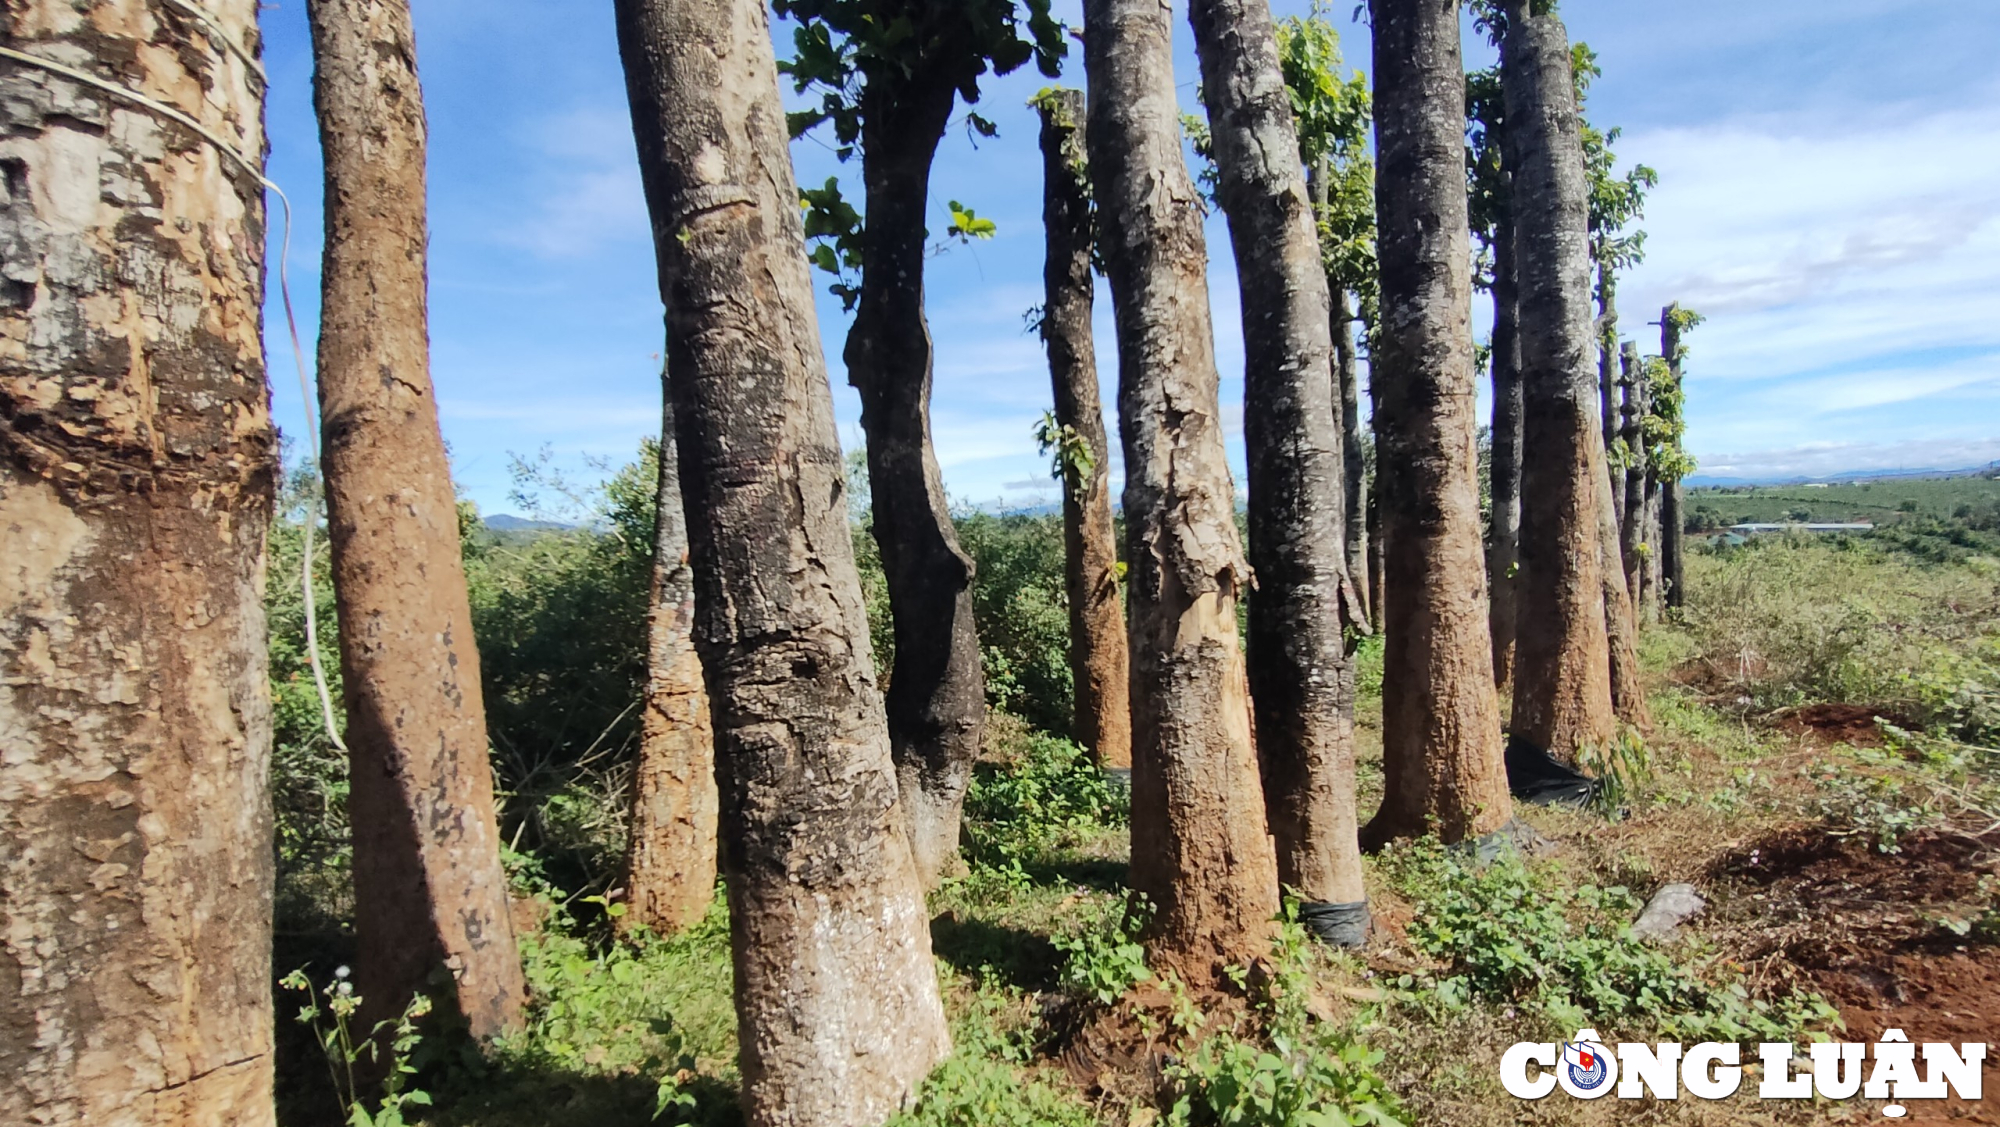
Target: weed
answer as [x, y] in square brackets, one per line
[330, 1012]
[1049, 795]
[1515, 935]
[1104, 960]
[1622, 767]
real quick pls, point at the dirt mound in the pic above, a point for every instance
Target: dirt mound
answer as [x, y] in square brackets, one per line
[1851, 724]
[1877, 933]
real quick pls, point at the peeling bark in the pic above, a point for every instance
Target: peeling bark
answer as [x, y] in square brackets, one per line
[137, 464]
[429, 894]
[837, 1004]
[1199, 846]
[1562, 678]
[670, 859]
[1301, 673]
[1621, 624]
[1099, 667]
[1442, 755]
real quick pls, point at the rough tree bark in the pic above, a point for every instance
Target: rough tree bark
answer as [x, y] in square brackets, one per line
[937, 690]
[1670, 525]
[1354, 468]
[1301, 674]
[1562, 682]
[429, 895]
[1607, 377]
[1442, 755]
[837, 1003]
[1503, 536]
[1199, 846]
[1621, 623]
[137, 463]
[1633, 546]
[670, 859]
[1099, 667]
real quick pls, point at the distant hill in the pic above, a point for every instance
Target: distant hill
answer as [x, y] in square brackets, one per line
[508, 522]
[1851, 477]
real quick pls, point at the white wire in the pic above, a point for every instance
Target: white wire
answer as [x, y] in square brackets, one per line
[291, 323]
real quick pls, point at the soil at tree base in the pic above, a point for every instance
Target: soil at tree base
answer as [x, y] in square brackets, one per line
[1851, 724]
[1864, 929]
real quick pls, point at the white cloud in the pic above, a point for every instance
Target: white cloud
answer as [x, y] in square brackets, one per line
[585, 185]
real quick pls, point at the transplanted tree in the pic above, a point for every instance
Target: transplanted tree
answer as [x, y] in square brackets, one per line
[1199, 847]
[837, 1003]
[430, 898]
[137, 463]
[670, 855]
[1667, 425]
[1074, 435]
[1442, 756]
[888, 73]
[1488, 175]
[1331, 113]
[1562, 679]
[1304, 608]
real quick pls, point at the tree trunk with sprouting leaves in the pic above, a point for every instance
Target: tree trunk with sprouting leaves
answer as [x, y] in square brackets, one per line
[670, 855]
[1633, 546]
[137, 463]
[937, 690]
[837, 1003]
[1671, 523]
[1562, 682]
[1200, 851]
[430, 899]
[1099, 670]
[1442, 755]
[1304, 606]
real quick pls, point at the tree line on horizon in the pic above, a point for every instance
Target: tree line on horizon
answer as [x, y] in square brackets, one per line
[141, 467]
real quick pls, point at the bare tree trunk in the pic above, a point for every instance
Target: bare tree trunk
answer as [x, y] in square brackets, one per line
[1199, 846]
[1354, 471]
[1621, 624]
[1607, 378]
[1633, 546]
[137, 462]
[1442, 753]
[1562, 683]
[1503, 538]
[1377, 582]
[1099, 667]
[1673, 540]
[429, 894]
[837, 1003]
[1649, 571]
[1301, 675]
[670, 858]
[937, 690]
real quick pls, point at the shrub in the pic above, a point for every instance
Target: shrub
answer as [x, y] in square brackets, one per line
[1050, 792]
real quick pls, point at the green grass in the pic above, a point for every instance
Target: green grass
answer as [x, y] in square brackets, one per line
[1879, 502]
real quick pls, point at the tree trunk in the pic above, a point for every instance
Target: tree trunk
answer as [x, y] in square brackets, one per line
[1607, 378]
[1562, 682]
[1099, 668]
[1673, 540]
[1503, 539]
[429, 894]
[670, 859]
[1377, 582]
[1199, 846]
[1633, 546]
[937, 690]
[1442, 755]
[1649, 570]
[837, 1003]
[1621, 623]
[137, 463]
[1354, 471]
[1301, 676]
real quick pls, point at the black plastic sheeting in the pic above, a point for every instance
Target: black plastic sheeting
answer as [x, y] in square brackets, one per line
[1342, 925]
[1534, 776]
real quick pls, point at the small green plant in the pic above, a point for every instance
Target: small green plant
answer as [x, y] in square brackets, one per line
[1052, 793]
[1622, 767]
[1513, 934]
[1105, 959]
[1297, 1072]
[330, 1012]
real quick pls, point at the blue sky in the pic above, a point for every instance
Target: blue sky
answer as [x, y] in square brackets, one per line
[1829, 197]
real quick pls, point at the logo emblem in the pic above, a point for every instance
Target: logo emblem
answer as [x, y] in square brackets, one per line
[1587, 1067]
